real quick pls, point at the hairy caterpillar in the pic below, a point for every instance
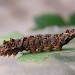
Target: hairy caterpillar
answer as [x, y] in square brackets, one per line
[48, 41]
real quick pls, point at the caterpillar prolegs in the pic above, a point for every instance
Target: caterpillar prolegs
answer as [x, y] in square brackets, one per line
[37, 42]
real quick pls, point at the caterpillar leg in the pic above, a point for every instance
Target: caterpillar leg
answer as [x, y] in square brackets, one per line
[8, 52]
[32, 50]
[49, 48]
[21, 50]
[58, 47]
[40, 49]
[15, 52]
[5, 53]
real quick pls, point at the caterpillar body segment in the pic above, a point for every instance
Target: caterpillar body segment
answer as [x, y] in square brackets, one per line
[36, 43]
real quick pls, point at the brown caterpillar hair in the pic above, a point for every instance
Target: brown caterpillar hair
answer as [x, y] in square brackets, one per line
[48, 41]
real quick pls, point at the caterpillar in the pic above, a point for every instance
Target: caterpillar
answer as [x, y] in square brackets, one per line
[37, 42]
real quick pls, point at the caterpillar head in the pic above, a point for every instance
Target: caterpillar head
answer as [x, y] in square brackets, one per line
[1, 50]
[5, 47]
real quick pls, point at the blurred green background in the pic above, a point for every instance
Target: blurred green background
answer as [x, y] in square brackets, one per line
[48, 20]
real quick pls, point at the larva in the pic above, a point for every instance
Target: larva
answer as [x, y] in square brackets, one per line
[39, 42]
